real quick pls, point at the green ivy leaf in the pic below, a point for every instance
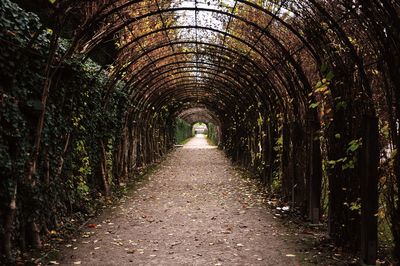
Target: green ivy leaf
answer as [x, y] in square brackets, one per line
[348, 165]
[341, 105]
[324, 68]
[354, 145]
[35, 104]
[329, 76]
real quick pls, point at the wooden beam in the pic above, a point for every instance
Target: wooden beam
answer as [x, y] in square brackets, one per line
[369, 161]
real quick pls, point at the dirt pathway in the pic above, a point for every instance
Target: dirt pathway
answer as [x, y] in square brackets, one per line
[194, 210]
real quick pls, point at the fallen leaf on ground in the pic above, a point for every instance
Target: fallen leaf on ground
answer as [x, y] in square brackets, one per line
[92, 225]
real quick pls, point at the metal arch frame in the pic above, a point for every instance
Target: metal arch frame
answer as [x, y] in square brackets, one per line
[159, 46]
[287, 54]
[248, 3]
[176, 94]
[240, 93]
[154, 82]
[295, 70]
[258, 39]
[249, 45]
[146, 67]
[196, 110]
[262, 92]
[206, 72]
[182, 97]
[187, 53]
[244, 81]
[256, 77]
[219, 110]
[189, 69]
[188, 87]
[184, 108]
[185, 98]
[221, 85]
[186, 65]
[298, 69]
[207, 44]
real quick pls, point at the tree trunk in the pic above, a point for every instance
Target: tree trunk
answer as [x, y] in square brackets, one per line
[32, 163]
[35, 235]
[40, 123]
[61, 160]
[103, 170]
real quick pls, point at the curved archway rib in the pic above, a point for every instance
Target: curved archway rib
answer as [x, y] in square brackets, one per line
[153, 81]
[176, 81]
[256, 73]
[99, 18]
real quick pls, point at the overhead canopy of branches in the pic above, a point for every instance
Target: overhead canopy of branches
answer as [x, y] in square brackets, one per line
[303, 93]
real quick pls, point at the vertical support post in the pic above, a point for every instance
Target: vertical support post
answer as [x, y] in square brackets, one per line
[299, 165]
[369, 161]
[287, 176]
[315, 181]
[270, 153]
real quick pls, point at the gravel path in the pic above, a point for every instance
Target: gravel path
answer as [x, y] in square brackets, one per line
[194, 210]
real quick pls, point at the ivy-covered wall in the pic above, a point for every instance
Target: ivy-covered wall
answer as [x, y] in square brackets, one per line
[85, 146]
[183, 131]
[213, 133]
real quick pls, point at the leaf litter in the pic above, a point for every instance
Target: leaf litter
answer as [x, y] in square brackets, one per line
[196, 208]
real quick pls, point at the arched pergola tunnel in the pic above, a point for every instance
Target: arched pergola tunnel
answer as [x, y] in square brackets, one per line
[298, 91]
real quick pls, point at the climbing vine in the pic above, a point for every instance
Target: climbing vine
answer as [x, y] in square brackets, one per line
[302, 93]
[79, 137]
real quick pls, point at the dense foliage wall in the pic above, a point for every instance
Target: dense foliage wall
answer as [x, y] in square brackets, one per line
[62, 145]
[183, 131]
[213, 133]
